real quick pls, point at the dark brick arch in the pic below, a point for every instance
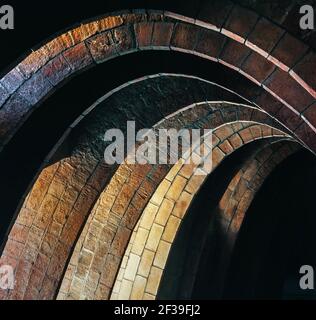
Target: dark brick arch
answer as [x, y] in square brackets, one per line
[235, 37]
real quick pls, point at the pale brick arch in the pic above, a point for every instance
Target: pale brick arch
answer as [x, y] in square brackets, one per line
[228, 216]
[147, 252]
[236, 38]
[100, 248]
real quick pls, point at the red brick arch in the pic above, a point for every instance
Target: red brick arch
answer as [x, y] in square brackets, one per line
[237, 38]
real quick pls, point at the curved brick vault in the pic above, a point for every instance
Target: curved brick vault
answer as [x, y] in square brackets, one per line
[53, 214]
[86, 230]
[233, 36]
[146, 255]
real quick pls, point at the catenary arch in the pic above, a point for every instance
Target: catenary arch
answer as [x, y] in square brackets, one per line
[71, 186]
[102, 243]
[206, 239]
[41, 240]
[235, 37]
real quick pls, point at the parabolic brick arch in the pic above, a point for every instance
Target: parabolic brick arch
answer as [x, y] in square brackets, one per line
[78, 228]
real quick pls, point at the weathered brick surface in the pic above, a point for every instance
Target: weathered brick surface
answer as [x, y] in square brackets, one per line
[143, 34]
[288, 90]
[206, 16]
[185, 37]
[257, 67]
[119, 34]
[161, 35]
[288, 52]
[234, 53]
[78, 57]
[152, 238]
[240, 23]
[264, 37]
[302, 72]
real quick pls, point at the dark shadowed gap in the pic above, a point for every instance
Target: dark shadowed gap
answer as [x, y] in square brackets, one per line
[278, 235]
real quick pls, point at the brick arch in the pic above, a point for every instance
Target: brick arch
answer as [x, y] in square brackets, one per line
[152, 238]
[236, 38]
[53, 212]
[56, 207]
[227, 216]
[101, 245]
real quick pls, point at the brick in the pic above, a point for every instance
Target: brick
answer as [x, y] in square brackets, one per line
[12, 80]
[288, 118]
[195, 183]
[268, 103]
[110, 23]
[223, 132]
[264, 37]
[256, 131]
[310, 114]
[138, 288]
[149, 215]
[162, 33]
[33, 62]
[35, 88]
[306, 134]
[210, 43]
[11, 113]
[226, 147]
[140, 241]
[143, 34]
[4, 95]
[146, 263]
[240, 23]
[286, 88]
[164, 212]
[132, 266]
[56, 70]
[257, 67]
[288, 52]
[126, 289]
[234, 53]
[217, 156]
[162, 254]
[182, 204]
[185, 37]
[302, 73]
[235, 141]
[123, 38]
[154, 237]
[176, 188]
[160, 192]
[101, 47]
[19, 233]
[78, 57]
[154, 280]
[120, 241]
[171, 229]
[214, 13]
[246, 135]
